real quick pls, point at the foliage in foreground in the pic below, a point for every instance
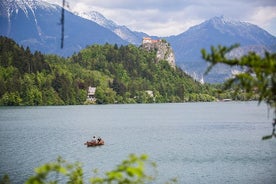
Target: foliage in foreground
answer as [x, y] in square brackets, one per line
[258, 76]
[130, 171]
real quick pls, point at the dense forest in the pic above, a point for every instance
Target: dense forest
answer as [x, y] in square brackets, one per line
[121, 74]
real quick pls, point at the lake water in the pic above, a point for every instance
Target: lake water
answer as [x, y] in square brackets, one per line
[194, 142]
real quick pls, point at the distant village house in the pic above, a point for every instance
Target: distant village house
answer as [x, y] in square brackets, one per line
[150, 93]
[91, 94]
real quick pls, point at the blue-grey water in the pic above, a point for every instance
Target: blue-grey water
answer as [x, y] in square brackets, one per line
[194, 142]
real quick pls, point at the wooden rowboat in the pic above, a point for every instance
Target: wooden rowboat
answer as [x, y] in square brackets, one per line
[93, 144]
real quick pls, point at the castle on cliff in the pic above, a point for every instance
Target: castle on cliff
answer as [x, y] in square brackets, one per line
[150, 40]
[162, 48]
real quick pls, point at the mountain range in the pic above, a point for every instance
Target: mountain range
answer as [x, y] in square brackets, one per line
[36, 24]
[123, 32]
[218, 31]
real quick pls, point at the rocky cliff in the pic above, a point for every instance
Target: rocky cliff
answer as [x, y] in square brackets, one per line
[163, 50]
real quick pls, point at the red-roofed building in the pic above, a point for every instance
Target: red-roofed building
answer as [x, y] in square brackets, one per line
[149, 40]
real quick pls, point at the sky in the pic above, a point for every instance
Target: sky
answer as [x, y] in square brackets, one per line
[172, 17]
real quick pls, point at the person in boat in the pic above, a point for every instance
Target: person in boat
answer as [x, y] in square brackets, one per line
[94, 140]
[99, 139]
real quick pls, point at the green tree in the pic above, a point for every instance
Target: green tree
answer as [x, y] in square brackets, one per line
[131, 171]
[123, 73]
[51, 97]
[259, 76]
[118, 87]
[11, 99]
[72, 172]
[105, 95]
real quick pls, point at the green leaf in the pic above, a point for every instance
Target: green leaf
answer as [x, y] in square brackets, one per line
[267, 137]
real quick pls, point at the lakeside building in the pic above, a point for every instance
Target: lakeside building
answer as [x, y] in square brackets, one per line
[91, 94]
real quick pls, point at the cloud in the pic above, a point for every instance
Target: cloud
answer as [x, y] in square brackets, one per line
[263, 15]
[164, 18]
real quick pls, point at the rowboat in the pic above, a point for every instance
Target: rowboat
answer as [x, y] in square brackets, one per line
[93, 143]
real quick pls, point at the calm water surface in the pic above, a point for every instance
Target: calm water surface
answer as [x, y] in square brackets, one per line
[195, 142]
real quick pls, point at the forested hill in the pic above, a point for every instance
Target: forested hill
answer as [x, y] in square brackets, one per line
[125, 74]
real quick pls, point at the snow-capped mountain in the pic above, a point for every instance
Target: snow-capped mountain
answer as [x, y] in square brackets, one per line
[16, 5]
[36, 24]
[223, 31]
[98, 18]
[122, 31]
[19, 18]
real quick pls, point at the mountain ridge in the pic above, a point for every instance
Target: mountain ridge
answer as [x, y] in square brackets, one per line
[38, 26]
[218, 31]
[43, 34]
[122, 31]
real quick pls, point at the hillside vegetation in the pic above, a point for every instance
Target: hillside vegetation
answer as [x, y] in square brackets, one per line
[121, 74]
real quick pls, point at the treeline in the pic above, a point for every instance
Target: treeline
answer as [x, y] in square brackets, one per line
[121, 74]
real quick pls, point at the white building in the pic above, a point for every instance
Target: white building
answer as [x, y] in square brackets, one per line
[91, 93]
[150, 93]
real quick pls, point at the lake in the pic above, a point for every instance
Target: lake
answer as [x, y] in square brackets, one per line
[215, 142]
